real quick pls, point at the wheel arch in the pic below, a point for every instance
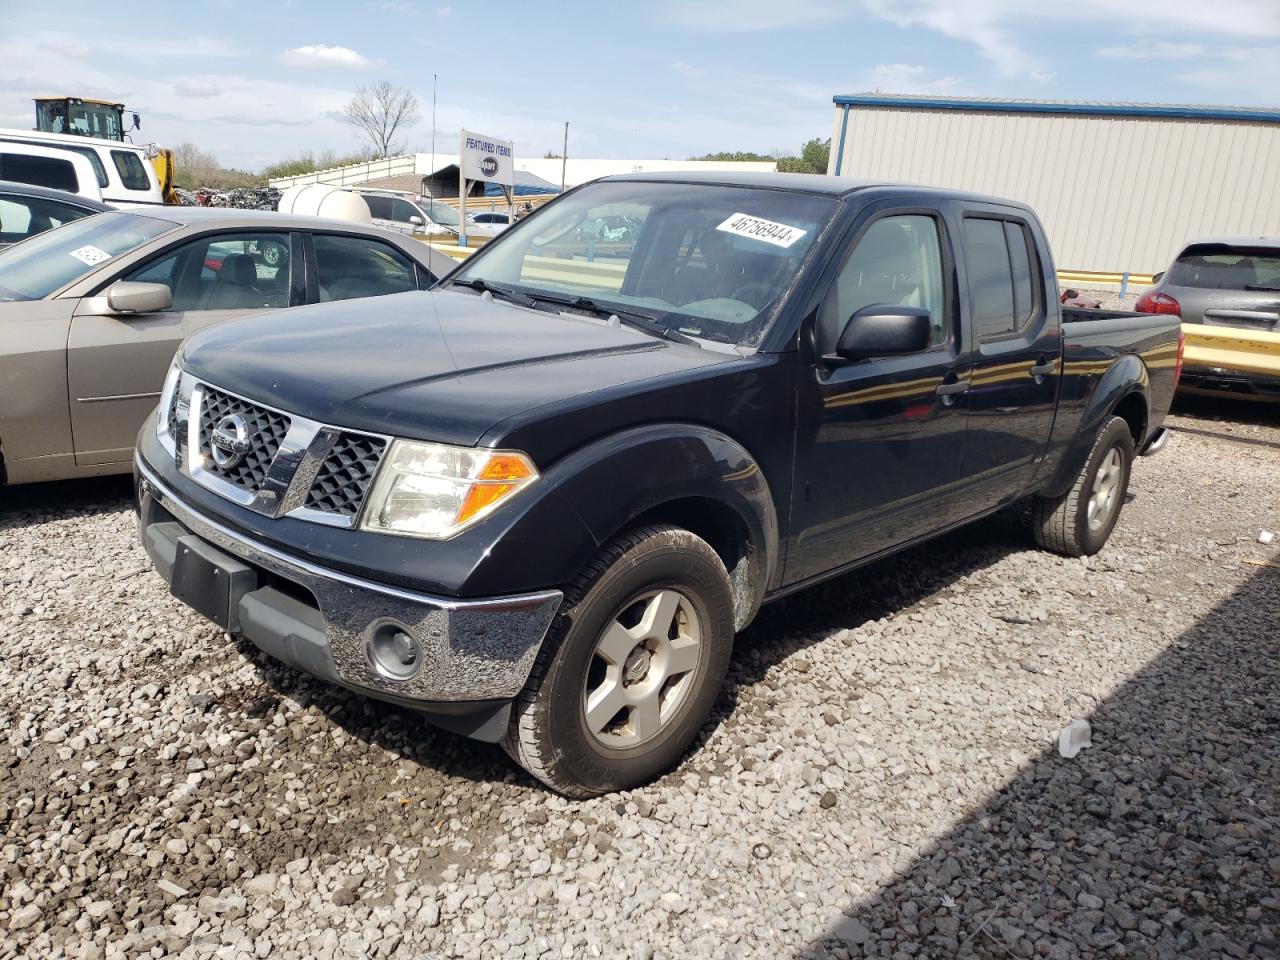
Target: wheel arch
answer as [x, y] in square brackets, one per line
[690, 476]
[1122, 391]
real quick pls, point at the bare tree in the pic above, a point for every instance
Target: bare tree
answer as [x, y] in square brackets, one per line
[379, 112]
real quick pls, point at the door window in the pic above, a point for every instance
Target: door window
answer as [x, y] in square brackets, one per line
[224, 272]
[897, 261]
[351, 267]
[402, 210]
[132, 173]
[1001, 276]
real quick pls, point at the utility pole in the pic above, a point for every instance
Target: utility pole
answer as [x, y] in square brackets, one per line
[433, 125]
[564, 155]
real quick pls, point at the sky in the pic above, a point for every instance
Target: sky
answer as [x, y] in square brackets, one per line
[255, 81]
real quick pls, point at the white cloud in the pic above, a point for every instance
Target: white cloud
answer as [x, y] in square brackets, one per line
[993, 25]
[908, 78]
[1255, 67]
[444, 12]
[319, 56]
[200, 89]
[687, 69]
[1145, 50]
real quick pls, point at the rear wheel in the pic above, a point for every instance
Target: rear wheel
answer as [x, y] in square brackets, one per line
[631, 668]
[1079, 522]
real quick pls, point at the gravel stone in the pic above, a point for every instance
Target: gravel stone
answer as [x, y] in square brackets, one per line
[881, 777]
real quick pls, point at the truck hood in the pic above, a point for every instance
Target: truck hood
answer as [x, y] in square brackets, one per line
[444, 366]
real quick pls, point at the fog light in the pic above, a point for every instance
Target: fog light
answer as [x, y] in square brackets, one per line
[395, 653]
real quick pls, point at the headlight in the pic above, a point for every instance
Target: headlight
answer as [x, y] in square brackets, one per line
[174, 408]
[432, 490]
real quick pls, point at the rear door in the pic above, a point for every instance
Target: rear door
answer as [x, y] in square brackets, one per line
[116, 364]
[1017, 352]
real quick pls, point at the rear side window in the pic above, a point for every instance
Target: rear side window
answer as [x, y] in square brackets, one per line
[1218, 266]
[379, 207]
[351, 267]
[132, 173]
[22, 217]
[1001, 276]
[39, 171]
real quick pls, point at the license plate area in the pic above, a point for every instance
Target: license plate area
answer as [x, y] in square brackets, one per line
[211, 582]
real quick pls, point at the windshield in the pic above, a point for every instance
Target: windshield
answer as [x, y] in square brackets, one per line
[1217, 266]
[49, 261]
[711, 262]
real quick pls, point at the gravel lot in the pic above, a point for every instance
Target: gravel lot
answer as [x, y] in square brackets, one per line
[881, 777]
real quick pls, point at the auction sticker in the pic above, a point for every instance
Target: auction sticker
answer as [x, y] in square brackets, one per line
[90, 255]
[779, 234]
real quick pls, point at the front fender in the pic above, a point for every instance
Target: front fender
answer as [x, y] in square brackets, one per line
[1125, 376]
[614, 481]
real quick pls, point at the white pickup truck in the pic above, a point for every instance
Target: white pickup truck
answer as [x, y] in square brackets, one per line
[123, 171]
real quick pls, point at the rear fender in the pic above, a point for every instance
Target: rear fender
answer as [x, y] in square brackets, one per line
[1125, 378]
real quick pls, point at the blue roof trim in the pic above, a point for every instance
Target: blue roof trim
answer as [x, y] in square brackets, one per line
[1088, 109]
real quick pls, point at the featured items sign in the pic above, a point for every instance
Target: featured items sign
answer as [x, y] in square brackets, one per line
[486, 158]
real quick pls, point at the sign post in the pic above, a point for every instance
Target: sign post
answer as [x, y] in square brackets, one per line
[488, 160]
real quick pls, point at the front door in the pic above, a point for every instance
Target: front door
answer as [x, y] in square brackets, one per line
[1017, 354]
[116, 363]
[880, 440]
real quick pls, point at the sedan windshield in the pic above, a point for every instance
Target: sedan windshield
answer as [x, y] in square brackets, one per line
[35, 268]
[706, 261]
[1218, 266]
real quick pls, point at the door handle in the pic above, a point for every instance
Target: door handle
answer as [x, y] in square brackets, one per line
[949, 391]
[1043, 367]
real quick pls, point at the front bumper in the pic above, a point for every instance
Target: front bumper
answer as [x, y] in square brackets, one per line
[475, 654]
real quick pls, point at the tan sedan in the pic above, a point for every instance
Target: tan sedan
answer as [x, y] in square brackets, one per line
[92, 313]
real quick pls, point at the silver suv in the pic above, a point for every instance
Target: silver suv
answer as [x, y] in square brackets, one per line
[410, 214]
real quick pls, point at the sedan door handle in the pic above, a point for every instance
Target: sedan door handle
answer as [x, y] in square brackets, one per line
[1042, 368]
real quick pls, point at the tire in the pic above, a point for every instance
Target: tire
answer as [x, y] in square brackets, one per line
[1062, 524]
[623, 598]
[272, 253]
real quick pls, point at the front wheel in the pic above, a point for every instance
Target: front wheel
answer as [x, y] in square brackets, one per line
[1079, 522]
[631, 668]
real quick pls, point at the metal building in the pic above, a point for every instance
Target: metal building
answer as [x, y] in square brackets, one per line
[1119, 186]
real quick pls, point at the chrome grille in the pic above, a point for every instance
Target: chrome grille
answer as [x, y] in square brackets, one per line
[343, 480]
[266, 429]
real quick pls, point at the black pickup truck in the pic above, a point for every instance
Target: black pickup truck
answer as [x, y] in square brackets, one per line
[538, 502]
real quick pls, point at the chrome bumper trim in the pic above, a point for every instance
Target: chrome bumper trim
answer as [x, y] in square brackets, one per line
[1157, 442]
[473, 649]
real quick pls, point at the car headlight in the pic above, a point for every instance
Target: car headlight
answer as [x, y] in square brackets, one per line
[174, 408]
[433, 490]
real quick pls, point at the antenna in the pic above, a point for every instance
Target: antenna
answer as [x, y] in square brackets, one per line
[433, 127]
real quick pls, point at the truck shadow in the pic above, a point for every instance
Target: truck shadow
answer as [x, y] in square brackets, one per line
[1160, 840]
[36, 503]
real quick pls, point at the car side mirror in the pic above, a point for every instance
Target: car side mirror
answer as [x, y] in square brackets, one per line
[884, 330]
[130, 296]
[416, 220]
[1156, 278]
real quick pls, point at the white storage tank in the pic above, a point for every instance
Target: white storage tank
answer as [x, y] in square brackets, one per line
[322, 200]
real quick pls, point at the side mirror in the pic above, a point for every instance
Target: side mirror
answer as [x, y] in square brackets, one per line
[128, 296]
[137, 123]
[883, 330]
[1156, 278]
[417, 221]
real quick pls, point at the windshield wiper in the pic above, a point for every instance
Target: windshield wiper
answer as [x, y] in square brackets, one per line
[483, 286]
[1261, 286]
[632, 318]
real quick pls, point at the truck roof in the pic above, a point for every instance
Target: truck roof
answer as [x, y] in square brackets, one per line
[804, 183]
